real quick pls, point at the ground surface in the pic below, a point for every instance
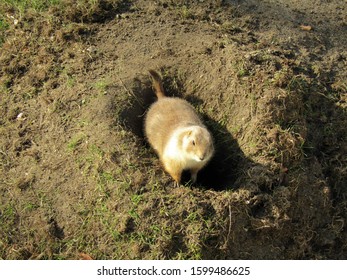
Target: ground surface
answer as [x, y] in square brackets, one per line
[77, 179]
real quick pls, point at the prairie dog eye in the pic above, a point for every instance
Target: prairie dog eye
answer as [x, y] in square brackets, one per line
[193, 142]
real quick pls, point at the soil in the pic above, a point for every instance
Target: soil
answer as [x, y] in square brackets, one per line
[77, 178]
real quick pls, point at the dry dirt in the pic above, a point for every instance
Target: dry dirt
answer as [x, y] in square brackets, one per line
[77, 179]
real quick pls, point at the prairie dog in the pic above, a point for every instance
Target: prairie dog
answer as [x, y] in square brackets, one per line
[177, 134]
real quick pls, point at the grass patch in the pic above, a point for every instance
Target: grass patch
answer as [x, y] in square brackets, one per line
[3, 27]
[185, 12]
[75, 142]
[101, 86]
[36, 5]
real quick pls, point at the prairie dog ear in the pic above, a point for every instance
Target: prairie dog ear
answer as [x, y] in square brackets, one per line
[190, 132]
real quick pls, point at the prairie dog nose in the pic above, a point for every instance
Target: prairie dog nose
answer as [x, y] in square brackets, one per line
[200, 157]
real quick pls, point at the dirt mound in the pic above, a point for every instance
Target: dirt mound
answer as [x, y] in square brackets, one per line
[78, 178]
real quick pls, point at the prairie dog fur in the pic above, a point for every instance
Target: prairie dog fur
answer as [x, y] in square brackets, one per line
[177, 134]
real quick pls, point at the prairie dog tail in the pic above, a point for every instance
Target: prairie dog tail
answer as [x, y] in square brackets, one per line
[157, 83]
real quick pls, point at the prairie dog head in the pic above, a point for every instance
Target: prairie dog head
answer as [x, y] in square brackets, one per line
[197, 144]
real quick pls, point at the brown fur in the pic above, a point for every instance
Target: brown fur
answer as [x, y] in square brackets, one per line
[157, 84]
[172, 122]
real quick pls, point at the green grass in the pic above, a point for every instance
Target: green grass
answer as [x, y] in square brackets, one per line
[30, 206]
[37, 5]
[3, 24]
[185, 12]
[8, 220]
[3, 27]
[101, 86]
[76, 141]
